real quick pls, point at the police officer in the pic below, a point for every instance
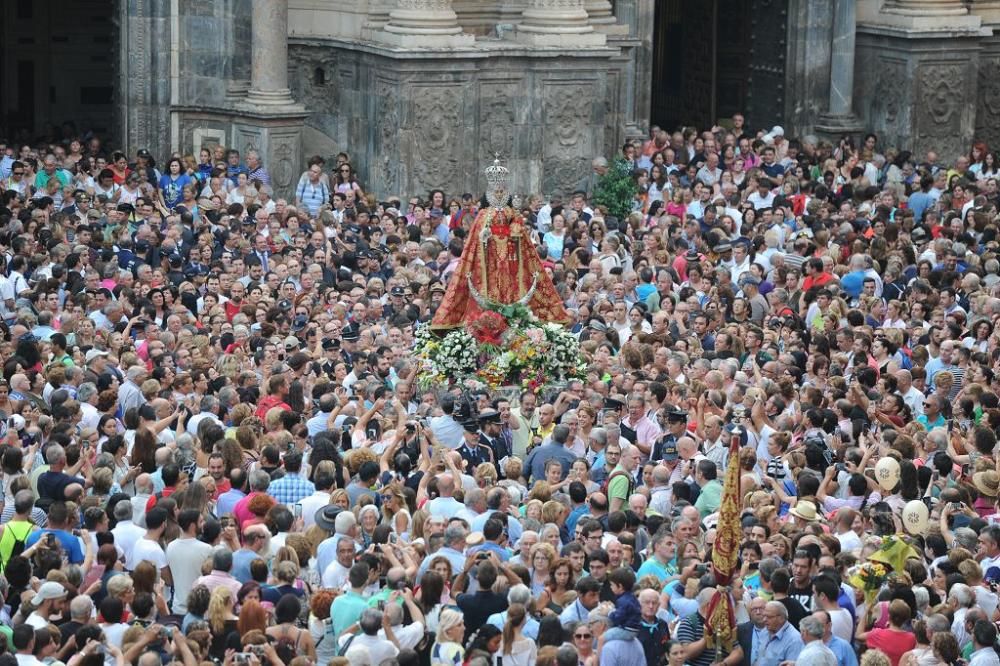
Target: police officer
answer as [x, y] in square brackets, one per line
[489, 437]
[471, 450]
[350, 336]
[676, 428]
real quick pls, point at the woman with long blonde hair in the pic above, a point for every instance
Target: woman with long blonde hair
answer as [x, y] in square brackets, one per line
[221, 619]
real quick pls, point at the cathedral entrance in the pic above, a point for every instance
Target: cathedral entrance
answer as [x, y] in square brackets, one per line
[58, 64]
[713, 58]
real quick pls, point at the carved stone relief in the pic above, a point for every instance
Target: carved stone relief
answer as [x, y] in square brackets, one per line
[435, 128]
[939, 112]
[496, 120]
[566, 121]
[283, 157]
[386, 131]
[891, 89]
[988, 106]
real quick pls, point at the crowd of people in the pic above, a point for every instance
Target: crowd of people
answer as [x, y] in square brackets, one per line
[217, 446]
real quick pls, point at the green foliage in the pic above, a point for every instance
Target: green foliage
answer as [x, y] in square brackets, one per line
[616, 190]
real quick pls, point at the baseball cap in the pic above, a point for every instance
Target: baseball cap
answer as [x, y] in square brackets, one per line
[94, 353]
[48, 590]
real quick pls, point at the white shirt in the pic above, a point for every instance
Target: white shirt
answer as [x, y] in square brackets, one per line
[147, 549]
[312, 504]
[28, 659]
[185, 557]
[127, 534]
[335, 576]
[815, 653]
[37, 621]
[445, 507]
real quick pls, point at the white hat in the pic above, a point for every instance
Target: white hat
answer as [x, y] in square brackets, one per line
[48, 590]
[94, 353]
[768, 139]
[778, 130]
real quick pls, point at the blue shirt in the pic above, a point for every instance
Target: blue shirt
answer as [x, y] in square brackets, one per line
[843, 650]
[228, 500]
[623, 653]
[69, 543]
[782, 646]
[530, 628]
[173, 189]
[453, 556]
[290, 489]
[241, 564]
[918, 202]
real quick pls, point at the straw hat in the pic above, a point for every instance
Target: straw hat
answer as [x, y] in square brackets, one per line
[805, 510]
[987, 483]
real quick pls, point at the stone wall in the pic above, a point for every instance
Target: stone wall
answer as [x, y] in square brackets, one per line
[414, 121]
[988, 93]
[918, 94]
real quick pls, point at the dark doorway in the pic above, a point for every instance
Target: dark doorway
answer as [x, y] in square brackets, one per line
[713, 58]
[58, 64]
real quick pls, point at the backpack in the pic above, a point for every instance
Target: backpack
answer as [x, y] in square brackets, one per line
[607, 483]
[18, 546]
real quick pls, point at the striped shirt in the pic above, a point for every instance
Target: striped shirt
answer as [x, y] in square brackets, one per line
[313, 196]
[261, 174]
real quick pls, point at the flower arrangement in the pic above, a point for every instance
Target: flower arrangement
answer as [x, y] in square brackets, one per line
[506, 346]
[869, 577]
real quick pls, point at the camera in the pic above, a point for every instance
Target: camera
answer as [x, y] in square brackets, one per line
[256, 650]
[482, 555]
[166, 633]
[840, 467]
[956, 506]
[701, 569]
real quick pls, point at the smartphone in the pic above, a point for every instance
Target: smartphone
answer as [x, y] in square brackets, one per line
[50, 540]
[381, 604]
[297, 510]
[957, 506]
[372, 433]
[241, 658]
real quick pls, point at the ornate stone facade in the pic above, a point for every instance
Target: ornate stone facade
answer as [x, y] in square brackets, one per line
[429, 126]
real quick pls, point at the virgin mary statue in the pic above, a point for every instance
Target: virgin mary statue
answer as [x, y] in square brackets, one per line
[499, 265]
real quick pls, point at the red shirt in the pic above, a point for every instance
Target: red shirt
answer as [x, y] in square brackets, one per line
[166, 492]
[894, 643]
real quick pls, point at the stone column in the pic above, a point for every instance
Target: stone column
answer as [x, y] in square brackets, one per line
[928, 15]
[424, 23]
[559, 23]
[269, 54]
[839, 118]
[842, 59]
[599, 13]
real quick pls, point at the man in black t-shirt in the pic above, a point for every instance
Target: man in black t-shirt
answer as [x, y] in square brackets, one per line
[780, 585]
[802, 569]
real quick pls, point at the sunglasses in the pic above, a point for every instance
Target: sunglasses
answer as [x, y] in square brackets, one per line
[587, 636]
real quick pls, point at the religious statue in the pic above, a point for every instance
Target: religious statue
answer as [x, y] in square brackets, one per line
[499, 266]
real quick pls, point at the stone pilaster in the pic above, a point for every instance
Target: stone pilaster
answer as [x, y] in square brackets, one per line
[839, 118]
[559, 23]
[920, 81]
[422, 24]
[269, 55]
